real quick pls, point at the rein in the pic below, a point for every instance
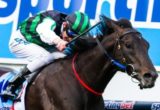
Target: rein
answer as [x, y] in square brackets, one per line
[108, 56]
[80, 80]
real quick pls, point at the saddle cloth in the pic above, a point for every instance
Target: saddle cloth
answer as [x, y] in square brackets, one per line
[18, 103]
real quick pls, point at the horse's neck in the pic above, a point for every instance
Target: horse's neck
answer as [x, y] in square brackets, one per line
[92, 61]
[95, 69]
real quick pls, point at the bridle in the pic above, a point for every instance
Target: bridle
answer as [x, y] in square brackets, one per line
[128, 68]
[122, 64]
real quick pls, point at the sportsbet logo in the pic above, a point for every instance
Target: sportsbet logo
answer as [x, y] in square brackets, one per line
[142, 13]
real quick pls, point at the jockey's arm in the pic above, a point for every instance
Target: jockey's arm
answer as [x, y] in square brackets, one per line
[47, 35]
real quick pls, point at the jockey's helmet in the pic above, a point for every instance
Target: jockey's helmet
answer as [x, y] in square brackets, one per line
[78, 22]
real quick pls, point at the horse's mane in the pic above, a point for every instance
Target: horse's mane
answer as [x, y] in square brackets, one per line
[123, 22]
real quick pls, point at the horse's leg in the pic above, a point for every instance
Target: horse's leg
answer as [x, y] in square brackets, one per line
[47, 105]
[61, 91]
[33, 99]
[37, 97]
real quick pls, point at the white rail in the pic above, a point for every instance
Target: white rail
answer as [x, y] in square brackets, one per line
[15, 63]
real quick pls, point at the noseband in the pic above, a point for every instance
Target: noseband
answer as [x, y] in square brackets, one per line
[128, 68]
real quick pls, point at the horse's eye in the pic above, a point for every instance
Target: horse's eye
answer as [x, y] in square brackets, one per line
[128, 45]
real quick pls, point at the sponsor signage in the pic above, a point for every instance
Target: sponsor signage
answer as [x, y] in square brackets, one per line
[144, 15]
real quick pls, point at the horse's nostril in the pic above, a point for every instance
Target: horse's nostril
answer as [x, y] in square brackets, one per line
[147, 75]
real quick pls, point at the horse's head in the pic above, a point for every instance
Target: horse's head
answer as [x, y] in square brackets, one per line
[131, 50]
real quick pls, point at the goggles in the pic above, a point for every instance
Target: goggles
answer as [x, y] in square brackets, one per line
[70, 33]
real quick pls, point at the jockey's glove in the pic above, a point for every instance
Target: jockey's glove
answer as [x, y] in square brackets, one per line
[69, 49]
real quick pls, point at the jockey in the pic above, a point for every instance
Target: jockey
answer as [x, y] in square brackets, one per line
[39, 37]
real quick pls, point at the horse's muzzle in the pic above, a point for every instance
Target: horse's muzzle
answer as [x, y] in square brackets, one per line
[148, 80]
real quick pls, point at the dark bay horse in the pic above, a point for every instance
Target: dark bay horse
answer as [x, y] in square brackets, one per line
[78, 83]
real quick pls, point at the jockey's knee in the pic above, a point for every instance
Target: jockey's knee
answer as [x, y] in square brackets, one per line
[48, 59]
[39, 62]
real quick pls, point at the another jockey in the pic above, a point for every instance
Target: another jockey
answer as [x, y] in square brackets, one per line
[39, 37]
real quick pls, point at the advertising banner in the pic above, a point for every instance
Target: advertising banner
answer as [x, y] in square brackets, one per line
[144, 15]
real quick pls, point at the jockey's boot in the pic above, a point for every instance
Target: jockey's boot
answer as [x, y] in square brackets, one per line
[15, 83]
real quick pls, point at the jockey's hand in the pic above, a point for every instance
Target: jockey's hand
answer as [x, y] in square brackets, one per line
[61, 45]
[69, 50]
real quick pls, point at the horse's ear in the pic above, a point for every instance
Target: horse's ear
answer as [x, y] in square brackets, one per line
[111, 24]
[124, 23]
[115, 27]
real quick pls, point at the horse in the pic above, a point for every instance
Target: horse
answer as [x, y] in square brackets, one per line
[77, 83]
